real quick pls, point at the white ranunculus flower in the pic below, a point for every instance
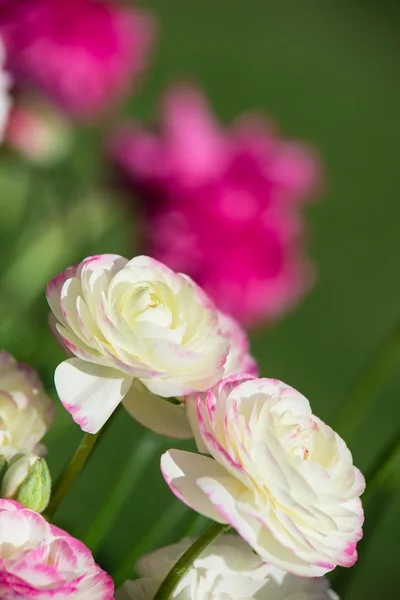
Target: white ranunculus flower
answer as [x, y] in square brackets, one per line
[132, 321]
[281, 477]
[228, 569]
[26, 412]
[5, 101]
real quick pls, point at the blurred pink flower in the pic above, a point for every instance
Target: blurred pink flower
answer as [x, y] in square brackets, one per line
[38, 131]
[82, 54]
[223, 205]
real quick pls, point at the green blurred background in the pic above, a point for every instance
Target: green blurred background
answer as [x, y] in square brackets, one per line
[328, 71]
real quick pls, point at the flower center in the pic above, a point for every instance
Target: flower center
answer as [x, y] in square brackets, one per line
[297, 435]
[140, 303]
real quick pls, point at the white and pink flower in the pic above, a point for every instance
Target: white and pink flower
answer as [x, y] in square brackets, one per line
[228, 568]
[281, 477]
[26, 412]
[39, 560]
[132, 321]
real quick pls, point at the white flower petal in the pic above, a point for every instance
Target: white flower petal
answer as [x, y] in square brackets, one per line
[227, 568]
[53, 292]
[181, 470]
[90, 392]
[156, 413]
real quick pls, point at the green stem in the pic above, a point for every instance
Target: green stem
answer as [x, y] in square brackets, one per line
[151, 540]
[352, 413]
[71, 472]
[186, 560]
[140, 457]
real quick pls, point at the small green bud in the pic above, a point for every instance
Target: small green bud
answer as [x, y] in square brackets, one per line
[27, 480]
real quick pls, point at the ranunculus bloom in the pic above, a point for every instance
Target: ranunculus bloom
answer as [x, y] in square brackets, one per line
[80, 53]
[281, 477]
[26, 412]
[40, 561]
[4, 95]
[226, 569]
[127, 320]
[224, 205]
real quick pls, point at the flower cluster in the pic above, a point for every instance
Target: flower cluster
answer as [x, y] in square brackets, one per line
[139, 333]
[224, 205]
[164, 335]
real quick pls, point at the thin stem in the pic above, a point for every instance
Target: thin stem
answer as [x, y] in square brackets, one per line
[352, 413]
[151, 540]
[71, 472]
[139, 459]
[186, 560]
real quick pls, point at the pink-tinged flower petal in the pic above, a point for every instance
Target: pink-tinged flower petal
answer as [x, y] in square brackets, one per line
[156, 413]
[90, 392]
[181, 470]
[53, 292]
[52, 322]
[45, 561]
[285, 480]
[142, 320]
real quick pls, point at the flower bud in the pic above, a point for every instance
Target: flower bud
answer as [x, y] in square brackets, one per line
[27, 480]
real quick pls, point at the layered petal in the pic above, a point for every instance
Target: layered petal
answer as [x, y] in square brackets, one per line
[45, 562]
[228, 568]
[137, 319]
[90, 392]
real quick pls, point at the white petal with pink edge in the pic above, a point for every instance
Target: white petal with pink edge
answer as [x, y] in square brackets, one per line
[285, 480]
[90, 392]
[142, 320]
[181, 470]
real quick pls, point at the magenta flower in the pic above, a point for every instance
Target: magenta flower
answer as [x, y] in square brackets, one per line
[224, 205]
[82, 54]
[39, 560]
